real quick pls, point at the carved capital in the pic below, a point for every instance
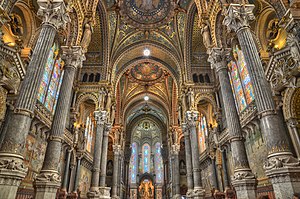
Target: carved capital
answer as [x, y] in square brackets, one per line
[192, 118]
[107, 129]
[117, 149]
[54, 13]
[48, 176]
[100, 116]
[243, 175]
[218, 57]
[281, 161]
[73, 56]
[238, 16]
[175, 149]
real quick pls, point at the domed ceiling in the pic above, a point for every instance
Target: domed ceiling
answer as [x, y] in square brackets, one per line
[147, 14]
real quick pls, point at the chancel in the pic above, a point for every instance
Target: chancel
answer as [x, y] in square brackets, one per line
[149, 99]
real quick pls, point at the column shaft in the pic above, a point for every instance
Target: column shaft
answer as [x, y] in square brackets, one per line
[243, 179]
[49, 178]
[104, 155]
[224, 165]
[101, 117]
[66, 171]
[77, 175]
[191, 119]
[189, 167]
[176, 174]
[116, 176]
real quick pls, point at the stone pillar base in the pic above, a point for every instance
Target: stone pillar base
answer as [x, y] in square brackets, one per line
[285, 181]
[189, 193]
[229, 193]
[12, 172]
[177, 196]
[62, 194]
[73, 195]
[245, 185]
[219, 195]
[93, 193]
[198, 193]
[46, 184]
[104, 192]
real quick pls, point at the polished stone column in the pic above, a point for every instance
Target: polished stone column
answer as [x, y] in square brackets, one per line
[214, 174]
[224, 165]
[188, 156]
[243, 179]
[47, 182]
[77, 175]
[63, 191]
[281, 167]
[101, 117]
[116, 175]
[176, 174]
[12, 169]
[121, 172]
[104, 192]
[292, 125]
[191, 119]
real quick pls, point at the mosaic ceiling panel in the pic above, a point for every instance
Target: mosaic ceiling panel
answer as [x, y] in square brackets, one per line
[146, 72]
[147, 14]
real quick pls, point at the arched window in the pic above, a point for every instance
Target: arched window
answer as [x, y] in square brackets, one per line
[207, 79]
[133, 163]
[146, 158]
[91, 77]
[97, 79]
[52, 79]
[158, 163]
[85, 77]
[195, 78]
[89, 131]
[240, 80]
[202, 132]
[201, 78]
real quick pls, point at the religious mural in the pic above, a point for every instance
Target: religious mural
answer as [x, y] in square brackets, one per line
[84, 181]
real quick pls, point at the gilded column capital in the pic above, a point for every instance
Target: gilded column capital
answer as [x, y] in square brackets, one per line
[54, 13]
[218, 58]
[238, 16]
[117, 149]
[100, 116]
[73, 56]
[192, 118]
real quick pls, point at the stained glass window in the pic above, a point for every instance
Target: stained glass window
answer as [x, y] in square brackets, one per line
[202, 132]
[240, 80]
[51, 81]
[158, 163]
[146, 158]
[89, 130]
[133, 163]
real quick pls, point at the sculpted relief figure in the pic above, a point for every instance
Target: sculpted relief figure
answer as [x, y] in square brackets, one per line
[102, 95]
[87, 36]
[206, 36]
[191, 98]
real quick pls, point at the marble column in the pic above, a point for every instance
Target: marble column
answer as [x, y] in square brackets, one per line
[12, 169]
[214, 174]
[243, 179]
[77, 175]
[104, 192]
[224, 165]
[101, 117]
[191, 119]
[116, 176]
[188, 161]
[176, 174]
[47, 182]
[72, 177]
[281, 167]
[63, 191]
[121, 172]
[292, 125]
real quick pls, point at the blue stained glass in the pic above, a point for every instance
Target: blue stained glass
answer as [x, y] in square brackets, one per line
[133, 163]
[158, 163]
[146, 158]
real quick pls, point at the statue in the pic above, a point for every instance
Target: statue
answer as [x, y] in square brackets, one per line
[102, 95]
[191, 98]
[87, 36]
[112, 114]
[108, 103]
[206, 36]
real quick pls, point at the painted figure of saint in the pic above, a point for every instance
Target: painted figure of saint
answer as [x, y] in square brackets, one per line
[147, 5]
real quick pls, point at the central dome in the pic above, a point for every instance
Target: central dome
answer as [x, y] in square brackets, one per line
[147, 14]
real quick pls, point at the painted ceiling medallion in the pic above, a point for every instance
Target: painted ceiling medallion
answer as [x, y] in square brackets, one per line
[146, 72]
[147, 14]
